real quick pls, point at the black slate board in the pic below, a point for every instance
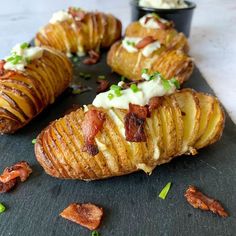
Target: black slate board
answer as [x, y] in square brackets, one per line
[131, 203]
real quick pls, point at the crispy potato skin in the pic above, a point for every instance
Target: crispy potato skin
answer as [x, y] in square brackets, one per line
[168, 37]
[169, 131]
[25, 94]
[97, 30]
[169, 62]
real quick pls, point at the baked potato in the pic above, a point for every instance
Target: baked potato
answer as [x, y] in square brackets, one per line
[78, 31]
[173, 128]
[169, 62]
[26, 89]
[160, 30]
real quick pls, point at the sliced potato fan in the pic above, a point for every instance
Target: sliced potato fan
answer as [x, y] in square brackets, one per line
[182, 122]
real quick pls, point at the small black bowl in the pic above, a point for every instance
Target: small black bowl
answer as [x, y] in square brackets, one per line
[182, 17]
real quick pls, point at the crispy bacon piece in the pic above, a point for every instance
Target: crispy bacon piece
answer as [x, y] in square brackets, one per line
[87, 215]
[103, 85]
[92, 59]
[154, 103]
[144, 42]
[92, 124]
[2, 62]
[20, 169]
[134, 123]
[6, 187]
[77, 13]
[200, 200]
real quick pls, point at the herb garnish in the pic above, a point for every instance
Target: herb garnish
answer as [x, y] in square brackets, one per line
[130, 43]
[175, 82]
[116, 89]
[14, 59]
[165, 191]
[34, 141]
[122, 78]
[110, 96]
[2, 208]
[134, 88]
[95, 233]
[24, 45]
[144, 71]
[101, 77]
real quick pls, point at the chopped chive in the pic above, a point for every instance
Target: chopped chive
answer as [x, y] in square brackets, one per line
[110, 96]
[81, 74]
[165, 191]
[2, 208]
[101, 77]
[175, 82]
[118, 93]
[122, 78]
[34, 141]
[24, 45]
[144, 71]
[76, 91]
[115, 87]
[75, 59]
[155, 15]
[14, 59]
[95, 233]
[130, 43]
[166, 84]
[134, 88]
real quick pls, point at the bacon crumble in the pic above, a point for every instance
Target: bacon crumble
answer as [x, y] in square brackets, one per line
[92, 124]
[76, 13]
[199, 200]
[144, 42]
[87, 214]
[10, 175]
[92, 59]
[134, 123]
[2, 63]
[103, 85]
[154, 103]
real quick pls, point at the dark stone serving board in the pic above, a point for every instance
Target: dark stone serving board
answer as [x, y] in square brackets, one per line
[131, 203]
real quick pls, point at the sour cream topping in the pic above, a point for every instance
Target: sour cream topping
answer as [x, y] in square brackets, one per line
[163, 4]
[129, 43]
[21, 55]
[151, 22]
[153, 87]
[59, 17]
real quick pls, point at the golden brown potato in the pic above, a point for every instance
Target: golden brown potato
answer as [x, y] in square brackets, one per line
[169, 62]
[168, 37]
[171, 130]
[24, 94]
[81, 32]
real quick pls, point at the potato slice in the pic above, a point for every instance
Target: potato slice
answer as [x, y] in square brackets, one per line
[206, 103]
[215, 127]
[168, 128]
[178, 121]
[190, 109]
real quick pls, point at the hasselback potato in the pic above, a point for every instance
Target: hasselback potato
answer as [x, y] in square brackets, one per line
[159, 29]
[169, 62]
[27, 87]
[183, 122]
[78, 31]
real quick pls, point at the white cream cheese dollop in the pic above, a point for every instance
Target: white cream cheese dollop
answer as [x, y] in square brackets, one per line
[147, 90]
[151, 23]
[128, 43]
[26, 54]
[59, 17]
[163, 4]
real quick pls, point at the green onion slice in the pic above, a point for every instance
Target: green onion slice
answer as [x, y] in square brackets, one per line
[166, 84]
[134, 88]
[110, 96]
[175, 82]
[130, 43]
[34, 141]
[24, 45]
[95, 233]
[2, 208]
[144, 71]
[165, 191]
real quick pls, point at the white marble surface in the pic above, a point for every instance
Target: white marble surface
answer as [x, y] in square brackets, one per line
[213, 37]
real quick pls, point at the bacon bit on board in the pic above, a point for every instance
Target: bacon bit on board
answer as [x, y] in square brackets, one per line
[144, 42]
[103, 85]
[2, 62]
[92, 59]
[76, 13]
[200, 200]
[134, 123]
[6, 187]
[154, 103]
[87, 215]
[20, 169]
[92, 124]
